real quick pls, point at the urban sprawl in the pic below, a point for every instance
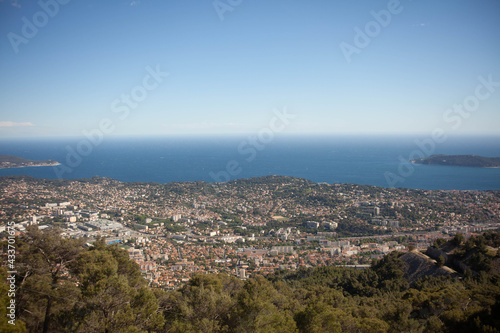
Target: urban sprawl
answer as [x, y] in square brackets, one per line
[244, 227]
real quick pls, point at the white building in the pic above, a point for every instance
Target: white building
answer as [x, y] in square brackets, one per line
[33, 220]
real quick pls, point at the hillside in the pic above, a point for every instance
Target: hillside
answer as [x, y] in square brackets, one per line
[460, 160]
[476, 254]
[98, 289]
[419, 265]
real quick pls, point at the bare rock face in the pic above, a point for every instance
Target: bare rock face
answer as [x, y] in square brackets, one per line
[418, 265]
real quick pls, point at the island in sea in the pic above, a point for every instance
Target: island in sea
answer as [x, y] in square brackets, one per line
[460, 160]
[8, 161]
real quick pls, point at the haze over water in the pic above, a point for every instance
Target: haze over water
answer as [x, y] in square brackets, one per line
[331, 159]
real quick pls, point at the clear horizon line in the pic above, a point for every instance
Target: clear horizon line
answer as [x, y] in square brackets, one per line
[244, 134]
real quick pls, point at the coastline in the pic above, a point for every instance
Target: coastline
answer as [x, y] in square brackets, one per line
[30, 166]
[460, 166]
[363, 161]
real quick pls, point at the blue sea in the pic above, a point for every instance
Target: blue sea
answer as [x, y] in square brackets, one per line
[368, 160]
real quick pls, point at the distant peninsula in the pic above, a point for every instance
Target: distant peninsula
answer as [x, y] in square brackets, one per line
[8, 161]
[460, 160]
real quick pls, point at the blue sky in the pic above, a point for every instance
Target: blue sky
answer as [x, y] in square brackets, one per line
[232, 64]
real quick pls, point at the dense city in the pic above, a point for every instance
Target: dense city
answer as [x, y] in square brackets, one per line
[247, 227]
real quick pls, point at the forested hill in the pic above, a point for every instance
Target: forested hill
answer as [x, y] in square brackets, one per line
[460, 160]
[63, 286]
[475, 255]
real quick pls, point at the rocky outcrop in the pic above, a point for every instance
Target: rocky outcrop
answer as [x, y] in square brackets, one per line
[418, 265]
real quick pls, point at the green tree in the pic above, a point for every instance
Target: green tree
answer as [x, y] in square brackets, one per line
[19, 326]
[458, 239]
[114, 297]
[45, 289]
[438, 242]
[440, 261]
[205, 304]
[319, 317]
[261, 308]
